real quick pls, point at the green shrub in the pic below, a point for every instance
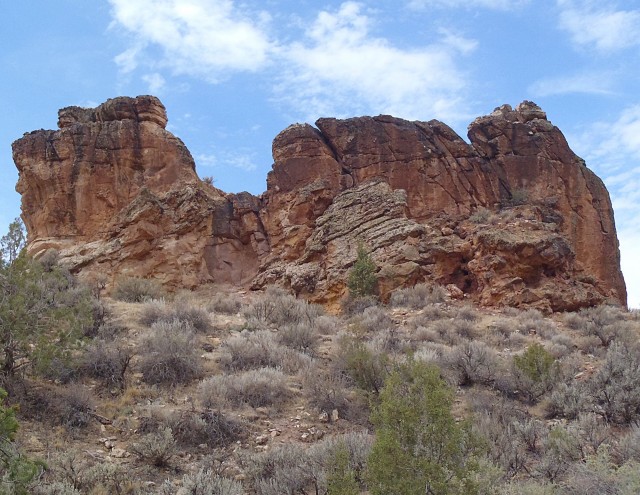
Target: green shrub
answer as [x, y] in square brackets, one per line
[534, 371]
[43, 315]
[366, 368]
[341, 479]
[16, 471]
[419, 446]
[362, 280]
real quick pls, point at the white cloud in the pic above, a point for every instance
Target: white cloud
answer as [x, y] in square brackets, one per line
[155, 81]
[587, 83]
[467, 4]
[630, 254]
[225, 159]
[340, 68]
[600, 25]
[206, 38]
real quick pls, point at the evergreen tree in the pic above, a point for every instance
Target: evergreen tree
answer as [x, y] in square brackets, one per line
[419, 447]
[43, 312]
[362, 277]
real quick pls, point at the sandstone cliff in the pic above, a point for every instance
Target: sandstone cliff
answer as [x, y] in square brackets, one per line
[514, 217]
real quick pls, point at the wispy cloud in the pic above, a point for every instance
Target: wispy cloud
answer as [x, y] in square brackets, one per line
[600, 25]
[206, 38]
[467, 4]
[341, 68]
[225, 159]
[587, 83]
[155, 81]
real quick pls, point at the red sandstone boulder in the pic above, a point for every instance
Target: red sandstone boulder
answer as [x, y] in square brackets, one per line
[514, 218]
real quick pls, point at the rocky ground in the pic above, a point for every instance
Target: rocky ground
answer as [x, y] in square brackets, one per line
[234, 381]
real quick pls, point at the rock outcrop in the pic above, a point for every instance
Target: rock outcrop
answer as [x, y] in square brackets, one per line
[514, 217]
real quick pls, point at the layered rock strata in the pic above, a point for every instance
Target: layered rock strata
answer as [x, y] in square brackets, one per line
[514, 217]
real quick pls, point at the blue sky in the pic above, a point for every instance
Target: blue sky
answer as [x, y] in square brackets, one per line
[232, 74]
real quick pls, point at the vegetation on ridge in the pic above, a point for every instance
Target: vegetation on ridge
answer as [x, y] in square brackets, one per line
[225, 392]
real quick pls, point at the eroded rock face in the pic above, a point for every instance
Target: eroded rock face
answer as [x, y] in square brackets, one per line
[116, 193]
[513, 218]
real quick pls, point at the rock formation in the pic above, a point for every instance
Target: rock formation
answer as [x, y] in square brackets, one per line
[514, 217]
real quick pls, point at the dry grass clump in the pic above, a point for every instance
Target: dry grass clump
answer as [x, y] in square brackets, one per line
[366, 366]
[294, 469]
[355, 305]
[225, 303]
[329, 390]
[191, 428]
[158, 310]
[108, 362]
[69, 473]
[256, 388]
[418, 296]
[301, 337]
[252, 350]
[612, 390]
[169, 354]
[206, 482]
[371, 320]
[472, 362]
[156, 448]
[276, 307]
[136, 290]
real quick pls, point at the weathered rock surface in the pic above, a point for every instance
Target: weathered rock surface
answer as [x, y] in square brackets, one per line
[513, 218]
[116, 193]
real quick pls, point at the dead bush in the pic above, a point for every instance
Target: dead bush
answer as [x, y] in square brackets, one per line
[155, 448]
[277, 307]
[301, 337]
[169, 354]
[418, 296]
[257, 388]
[159, 311]
[569, 400]
[225, 303]
[108, 362]
[326, 391]
[352, 306]
[206, 482]
[252, 350]
[371, 320]
[473, 362]
[191, 428]
[136, 290]
[366, 367]
[73, 407]
[615, 386]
